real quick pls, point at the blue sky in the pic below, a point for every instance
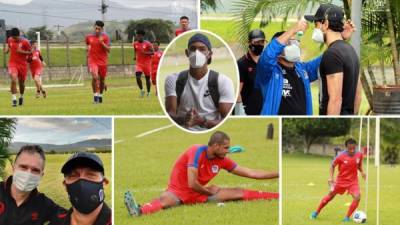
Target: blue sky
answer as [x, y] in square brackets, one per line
[61, 130]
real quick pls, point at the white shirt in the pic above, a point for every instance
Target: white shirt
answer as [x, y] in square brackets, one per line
[196, 95]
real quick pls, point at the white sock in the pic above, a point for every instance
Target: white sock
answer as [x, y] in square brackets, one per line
[14, 97]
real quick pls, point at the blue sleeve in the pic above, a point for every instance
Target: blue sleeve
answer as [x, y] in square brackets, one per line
[268, 60]
[312, 68]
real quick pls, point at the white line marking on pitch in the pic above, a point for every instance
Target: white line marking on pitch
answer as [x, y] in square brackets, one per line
[118, 141]
[154, 130]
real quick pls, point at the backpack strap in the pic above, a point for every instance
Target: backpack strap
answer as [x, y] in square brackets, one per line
[180, 84]
[213, 87]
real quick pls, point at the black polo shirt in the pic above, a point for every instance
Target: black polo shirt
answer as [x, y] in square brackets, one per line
[251, 97]
[64, 217]
[36, 210]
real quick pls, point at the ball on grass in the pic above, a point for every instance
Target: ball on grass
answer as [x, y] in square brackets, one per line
[220, 204]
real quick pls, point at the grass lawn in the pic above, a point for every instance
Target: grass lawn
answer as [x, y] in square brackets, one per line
[121, 98]
[305, 183]
[143, 165]
[51, 183]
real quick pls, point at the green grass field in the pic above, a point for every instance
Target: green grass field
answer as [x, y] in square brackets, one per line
[51, 183]
[143, 165]
[389, 195]
[300, 197]
[122, 98]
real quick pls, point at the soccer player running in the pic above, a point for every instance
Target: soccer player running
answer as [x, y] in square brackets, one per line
[155, 61]
[143, 55]
[19, 49]
[98, 44]
[193, 170]
[36, 64]
[349, 163]
[184, 26]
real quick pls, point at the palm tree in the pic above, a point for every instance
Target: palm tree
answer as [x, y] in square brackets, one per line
[209, 4]
[7, 129]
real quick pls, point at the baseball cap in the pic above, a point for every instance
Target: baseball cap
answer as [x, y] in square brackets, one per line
[200, 38]
[86, 159]
[256, 35]
[328, 12]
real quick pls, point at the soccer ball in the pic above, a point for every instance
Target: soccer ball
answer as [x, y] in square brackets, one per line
[360, 217]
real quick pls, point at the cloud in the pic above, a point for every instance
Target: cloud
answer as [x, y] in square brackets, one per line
[58, 124]
[16, 2]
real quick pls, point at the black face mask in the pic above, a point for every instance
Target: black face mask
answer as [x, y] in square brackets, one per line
[85, 195]
[256, 49]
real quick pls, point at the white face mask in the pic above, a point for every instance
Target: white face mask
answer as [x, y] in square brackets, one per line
[25, 181]
[318, 35]
[292, 53]
[197, 59]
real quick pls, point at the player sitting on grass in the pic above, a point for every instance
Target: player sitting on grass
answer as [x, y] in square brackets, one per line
[349, 162]
[143, 54]
[19, 49]
[36, 64]
[193, 170]
[98, 44]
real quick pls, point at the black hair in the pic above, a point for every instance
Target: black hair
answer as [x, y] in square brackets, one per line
[350, 141]
[218, 137]
[15, 32]
[184, 18]
[336, 26]
[158, 43]
[99, 23]
[31, 149]
[142, 32]
[277, 34]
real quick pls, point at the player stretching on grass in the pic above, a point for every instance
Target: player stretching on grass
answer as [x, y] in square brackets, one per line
[191, 173]
[19, 49]
[349, 162]
[143, 55]
[98, 44]
[36, 64]
[155, 60]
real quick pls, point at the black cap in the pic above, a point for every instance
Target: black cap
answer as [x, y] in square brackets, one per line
[256, 35]
[328, 12]
[86, 159]
[200, 38]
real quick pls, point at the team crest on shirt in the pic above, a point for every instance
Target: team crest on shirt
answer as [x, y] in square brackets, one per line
[215, 168]
[250, 69]
[2, 208]
[345, 161]
[358, 161]
[35, 216]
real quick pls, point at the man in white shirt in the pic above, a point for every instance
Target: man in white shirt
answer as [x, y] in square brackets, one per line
[198, 98]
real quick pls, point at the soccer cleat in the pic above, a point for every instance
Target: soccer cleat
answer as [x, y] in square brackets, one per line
[314, 215]
[141, 93]
[95, 99]
[100, 99]
[20, 101]
[44, 93]
[148, 94]
[14, 103]
[37, 94]
[131, 204]
[346, 219]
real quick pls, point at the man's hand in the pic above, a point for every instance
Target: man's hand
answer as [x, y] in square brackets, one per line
[363, 175]
[349, 29]
[101, 39]
[301, 25]
[193, 118]
[213, 189]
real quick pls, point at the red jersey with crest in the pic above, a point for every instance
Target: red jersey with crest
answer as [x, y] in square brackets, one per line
[18, 59]
[348, 167]
[196, 156]
[97, 53]
[155, 60]
[140, 49]
[36, 60]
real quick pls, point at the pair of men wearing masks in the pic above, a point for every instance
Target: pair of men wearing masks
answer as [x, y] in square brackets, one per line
[284, 80]
[198, 98]
[22, 204]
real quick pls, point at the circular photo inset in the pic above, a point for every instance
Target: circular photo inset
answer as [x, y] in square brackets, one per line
[198, 81]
